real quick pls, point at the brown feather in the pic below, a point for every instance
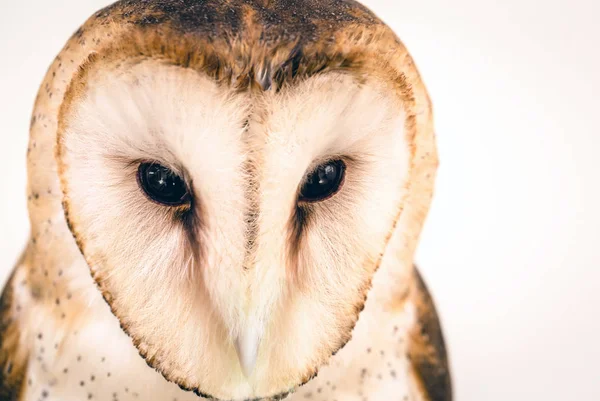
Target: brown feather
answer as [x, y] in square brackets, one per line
[13, 359]
[427, 349]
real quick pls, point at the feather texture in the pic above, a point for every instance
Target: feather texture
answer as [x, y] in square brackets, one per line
[242, 99]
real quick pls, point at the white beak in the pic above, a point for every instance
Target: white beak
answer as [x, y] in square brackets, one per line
[246, 346]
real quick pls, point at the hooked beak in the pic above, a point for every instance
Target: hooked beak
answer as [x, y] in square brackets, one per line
[246, 346]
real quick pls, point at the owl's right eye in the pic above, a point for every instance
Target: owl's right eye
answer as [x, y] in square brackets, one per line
[162, 185]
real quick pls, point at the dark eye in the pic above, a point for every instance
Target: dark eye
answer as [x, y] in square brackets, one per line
[162, 185]
[323, 182]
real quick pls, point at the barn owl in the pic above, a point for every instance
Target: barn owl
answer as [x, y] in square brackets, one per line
[225, 198]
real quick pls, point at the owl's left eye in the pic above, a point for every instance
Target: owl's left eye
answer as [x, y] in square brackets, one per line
[162, 185]
[323, 182]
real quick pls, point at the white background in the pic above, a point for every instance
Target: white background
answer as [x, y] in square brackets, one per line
[510, 247]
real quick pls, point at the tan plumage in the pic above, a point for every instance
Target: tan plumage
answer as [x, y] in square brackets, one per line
[243, 293]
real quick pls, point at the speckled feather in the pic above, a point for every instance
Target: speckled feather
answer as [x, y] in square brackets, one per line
[48, 306]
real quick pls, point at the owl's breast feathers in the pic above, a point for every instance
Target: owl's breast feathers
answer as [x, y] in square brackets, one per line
[426, 351]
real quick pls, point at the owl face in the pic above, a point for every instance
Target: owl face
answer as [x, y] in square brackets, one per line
[234, 234]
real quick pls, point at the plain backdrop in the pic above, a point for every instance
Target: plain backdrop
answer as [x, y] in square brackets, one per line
[510, 248]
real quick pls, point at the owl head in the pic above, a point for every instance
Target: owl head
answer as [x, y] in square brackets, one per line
[232, 173]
